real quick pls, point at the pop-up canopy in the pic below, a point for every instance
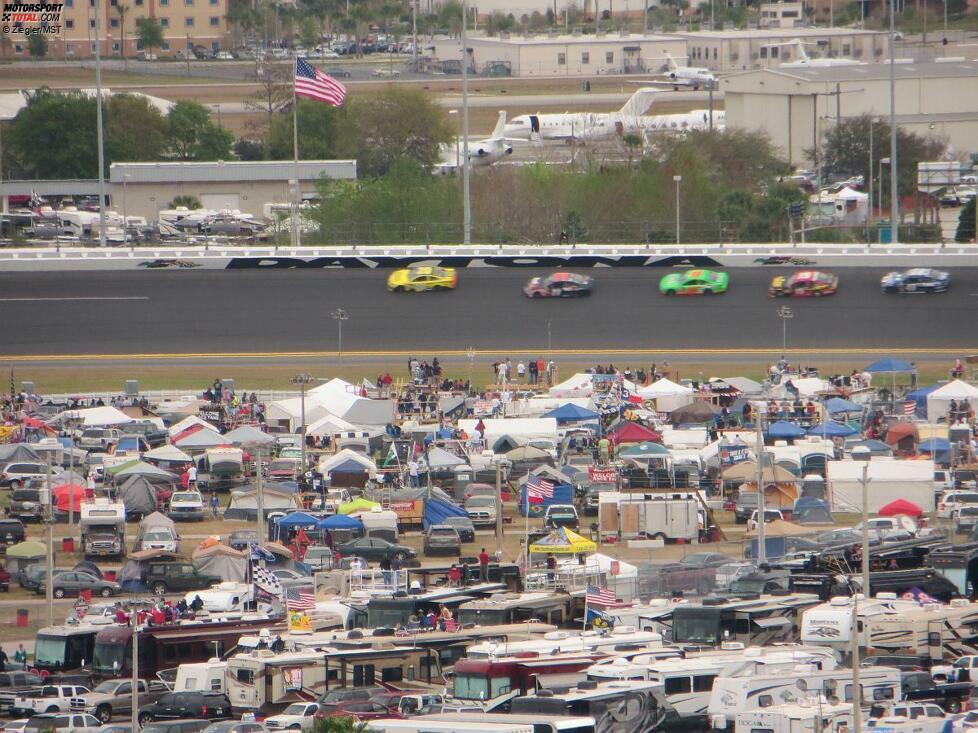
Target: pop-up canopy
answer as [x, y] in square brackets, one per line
[565, 542]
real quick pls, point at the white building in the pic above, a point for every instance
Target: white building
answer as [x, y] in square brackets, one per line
[567, 55]
[782, 15]
[792, 106]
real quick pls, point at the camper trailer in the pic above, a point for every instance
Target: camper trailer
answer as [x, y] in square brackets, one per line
[103, 529]
[753, 621]
[220, 469]
[633, 515]
[807, 716]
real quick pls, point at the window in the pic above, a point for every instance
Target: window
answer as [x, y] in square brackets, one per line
[561, 59]
[774, 52]
[765, 701]
[882, 693]
[676, 685]
[703, 682]
[91, 24]
[215, 21]
[846, 49]
[245, 676]
[69, 3]
[609, 57]
[714, 54]
[391, 674]
[585, 57]
[114, 22]
[164, 22]
[115, 46]
[763, 52]
[69, 24]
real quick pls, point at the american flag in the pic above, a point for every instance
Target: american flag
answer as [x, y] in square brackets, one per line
[265, 581]
[300, 598]
[600, 595]
[313, 83]
[538, 489]
[909, 407]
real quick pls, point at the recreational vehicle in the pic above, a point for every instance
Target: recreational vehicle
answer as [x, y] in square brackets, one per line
[806, 716]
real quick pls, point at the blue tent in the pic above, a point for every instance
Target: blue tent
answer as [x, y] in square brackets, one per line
[920, 396]
[934, 445]
[339, 521]
[837, 404]
[298, 519]
[889, 364]
[832, 430]
[784, 429]
[436, 511]
[570, 413]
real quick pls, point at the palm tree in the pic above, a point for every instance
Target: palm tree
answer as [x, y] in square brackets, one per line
[123, 11]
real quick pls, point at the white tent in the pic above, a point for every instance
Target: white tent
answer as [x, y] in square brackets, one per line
[168, 453]
[95, 416]
[536, 406]
[288, 412]
[667, 394]
[581, 385]
[535, 427]
[807, 387]
[939, 400]
[329, 425]
[889, 479]
[440, 459]
[188, 422]
[201, 439]
[327, 464]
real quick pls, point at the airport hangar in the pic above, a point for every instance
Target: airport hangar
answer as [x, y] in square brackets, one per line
[792, 106]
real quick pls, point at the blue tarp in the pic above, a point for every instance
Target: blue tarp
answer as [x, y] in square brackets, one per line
[563, 494]
[571, 412]
[889, 364]
[920, 397]
[298, 519]
[837, 404]
[934, 445]
[784, 429]
[339, 521]
[832, 430]
[435, 512]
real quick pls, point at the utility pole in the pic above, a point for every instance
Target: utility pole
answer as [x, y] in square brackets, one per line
[761, 548]
[49, 589]
[260, 494]
[467, 203]
[135, 670]
[894, 186]
[499, 506]
[100, 144]
[302, 380]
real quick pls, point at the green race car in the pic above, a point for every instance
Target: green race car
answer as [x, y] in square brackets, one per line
[694, 282]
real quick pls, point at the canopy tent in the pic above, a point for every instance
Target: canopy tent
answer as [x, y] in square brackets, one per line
[528, 454]
[357, 505]
[506, 443]
[140, 468]
[440, 459]
[94, 417]
[938, 448]
[339, 521]
[747, 471]
[327, 465]
[570, 412]
[187, 423]
[287, 413]
[244, 502]
[435, 512]
[68, 497]
[200, 440]
[939, 401]
[901, 506]
[18, 452]
[694, 413]
[582, 385]
[668, 395]
[329, 425]
[781, 528]
[783, 429]
[919, 397]
[138, 494]
[296, 520]
[743, 385]
[248, 435]
[876, 447]
[67, 477]
[835, 405]
[168, 454]
[889, 364]
[29, 549]
[644, 450]
[808, 387]
[214, 558]
[563, 541]
[889, 480]
[632, 432]
[832, 430]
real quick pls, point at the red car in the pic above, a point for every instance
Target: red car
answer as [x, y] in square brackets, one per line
[804, 284]
[559, 285]
[359, 710]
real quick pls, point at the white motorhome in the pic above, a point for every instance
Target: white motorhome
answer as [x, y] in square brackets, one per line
[748, 690]
[935, 629]
[209, 676]
[103, 528]
[806, 716]
[226, 597]
[829, 624]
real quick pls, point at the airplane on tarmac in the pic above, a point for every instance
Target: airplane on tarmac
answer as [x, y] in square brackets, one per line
[481, 152]
[587, 126]
[804, 60]
[688, 76]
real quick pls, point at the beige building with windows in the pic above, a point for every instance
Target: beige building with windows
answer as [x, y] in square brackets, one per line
[795, 107]
[782, 15]
[566, 55]
[186, 23]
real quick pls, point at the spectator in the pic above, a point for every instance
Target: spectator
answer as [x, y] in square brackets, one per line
[214, 504]
[413, 470]
[20, 656]
[192, 476]
[484, 565]
[454, 576]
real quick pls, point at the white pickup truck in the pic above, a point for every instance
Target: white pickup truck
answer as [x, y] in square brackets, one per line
[297, 716]
[46, 699]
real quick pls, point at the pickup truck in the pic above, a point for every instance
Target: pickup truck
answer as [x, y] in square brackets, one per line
[99, 438]
[961, 669]
[46, 699]
[922, 718]
[921, 687]
[115, 697]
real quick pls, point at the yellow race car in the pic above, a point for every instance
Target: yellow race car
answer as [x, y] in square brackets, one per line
[422, 278]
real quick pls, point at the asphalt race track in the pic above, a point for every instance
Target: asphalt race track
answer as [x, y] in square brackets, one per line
[286, 311]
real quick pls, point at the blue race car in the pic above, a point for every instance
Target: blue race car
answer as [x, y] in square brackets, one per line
[917, 280]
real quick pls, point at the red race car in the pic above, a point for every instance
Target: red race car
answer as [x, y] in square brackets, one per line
[804, 284]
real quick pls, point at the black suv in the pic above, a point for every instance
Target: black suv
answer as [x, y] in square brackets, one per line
[176, 726]
[187, 704]
[11, 531]
[744, 505]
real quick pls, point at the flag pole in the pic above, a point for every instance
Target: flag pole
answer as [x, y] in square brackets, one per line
[526, 531]
[297, 194]
[584, 625]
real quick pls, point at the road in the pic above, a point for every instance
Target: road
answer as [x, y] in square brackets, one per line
[63, 314]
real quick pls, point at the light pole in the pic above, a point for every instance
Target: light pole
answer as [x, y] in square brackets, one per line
[785, 314]
[302, 380]
[862, 453]
[340, 315]
[894, 190]
[678, 180]
[471, 354]
[883, 161]
[759, 410]
[466, 202]
[125, 215]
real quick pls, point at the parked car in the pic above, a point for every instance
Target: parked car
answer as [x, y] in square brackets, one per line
[71, 583]
[283, 469]
[11, 531]
[235, 726]
[187, 505]
[67, 722]
[727, 574]
[462, 525]
[744, 505]
[954, 500]
[170, 577]
[290, 578]
[561, 515]
[903, 662]
[297, 716]
[481, 510]
[769, 516]
[15, 475]
[442, 539]
[965, 519]
[241, 539]
[187, 704]
[348, 694]
[187, 725]
[338, 73]
[375, 548]
[99, 438]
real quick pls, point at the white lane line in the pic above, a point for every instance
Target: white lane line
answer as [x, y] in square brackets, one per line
[36, 300]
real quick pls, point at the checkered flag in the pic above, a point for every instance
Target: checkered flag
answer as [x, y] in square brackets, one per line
[266, 582]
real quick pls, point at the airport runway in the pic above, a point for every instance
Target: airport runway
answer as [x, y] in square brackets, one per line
[284, 312]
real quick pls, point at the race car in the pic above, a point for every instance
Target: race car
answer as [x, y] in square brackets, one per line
[694, 282]
[559, 285]
[917, 280]
[804, 284]
[422, 278]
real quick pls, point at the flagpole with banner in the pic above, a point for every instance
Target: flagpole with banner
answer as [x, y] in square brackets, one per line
[297, 193]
